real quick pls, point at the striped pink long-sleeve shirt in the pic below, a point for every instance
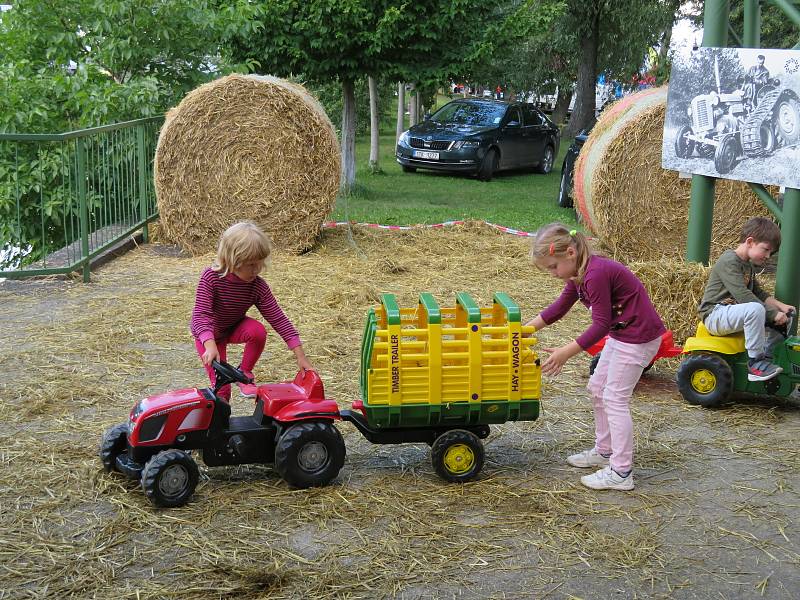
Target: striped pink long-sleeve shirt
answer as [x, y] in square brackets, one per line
[222, 302]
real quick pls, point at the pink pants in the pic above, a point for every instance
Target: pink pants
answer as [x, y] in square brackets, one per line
[249, 332]
[617, 372]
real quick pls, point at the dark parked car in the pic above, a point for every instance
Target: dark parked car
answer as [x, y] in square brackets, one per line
[568, 168]
[482, 137]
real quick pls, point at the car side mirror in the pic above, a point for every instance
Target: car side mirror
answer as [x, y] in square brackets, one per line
[427, 117]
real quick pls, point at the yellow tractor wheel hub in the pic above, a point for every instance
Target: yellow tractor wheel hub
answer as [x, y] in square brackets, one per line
[703, 381]
[459, 458]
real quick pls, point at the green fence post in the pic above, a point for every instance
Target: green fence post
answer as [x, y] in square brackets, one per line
[83, 207]
[787, 281]
[142, 166]
[752, 24]
[701, 203]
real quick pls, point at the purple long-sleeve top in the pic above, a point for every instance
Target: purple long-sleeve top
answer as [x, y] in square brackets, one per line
[618, 302]
[222, 302]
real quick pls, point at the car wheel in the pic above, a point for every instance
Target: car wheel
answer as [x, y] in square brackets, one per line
[546, 164]
[488, 166]
[407, 169]
[564, 197]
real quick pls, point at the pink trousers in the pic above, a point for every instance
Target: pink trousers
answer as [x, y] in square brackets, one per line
[249, 332]
[617, 373]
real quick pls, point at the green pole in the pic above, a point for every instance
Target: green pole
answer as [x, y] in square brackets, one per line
[701, 202]
[787, 281]
[83, 207]
[142, 166]
[752, 24]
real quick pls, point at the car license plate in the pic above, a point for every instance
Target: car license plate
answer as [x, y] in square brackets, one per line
[428, 155]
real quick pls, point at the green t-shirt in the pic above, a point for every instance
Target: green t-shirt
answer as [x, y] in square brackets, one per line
[732, 281]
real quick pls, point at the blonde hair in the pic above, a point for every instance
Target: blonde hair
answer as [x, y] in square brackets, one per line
[240, 243]
[554, 239]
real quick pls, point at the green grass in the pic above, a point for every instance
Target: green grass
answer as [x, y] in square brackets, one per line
[518, 199]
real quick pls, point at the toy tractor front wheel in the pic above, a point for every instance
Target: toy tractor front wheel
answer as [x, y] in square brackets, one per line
[310, 454]
[457, 455]
[705, 380]
[113, 443]
[169, 478]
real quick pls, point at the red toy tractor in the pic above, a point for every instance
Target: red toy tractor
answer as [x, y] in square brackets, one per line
[292, 427]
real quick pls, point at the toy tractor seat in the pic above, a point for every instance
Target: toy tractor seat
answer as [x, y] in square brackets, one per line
[722, 344]
[306, 386]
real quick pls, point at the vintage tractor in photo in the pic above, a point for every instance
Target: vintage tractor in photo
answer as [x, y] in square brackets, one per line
[730, 126]
[292, 426]
[714, 367]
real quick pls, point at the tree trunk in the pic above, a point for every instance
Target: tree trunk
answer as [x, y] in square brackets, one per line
[412, 105]
[374, 126]
[583, 113]
[348, 137]
[401, 110]
[562, 105]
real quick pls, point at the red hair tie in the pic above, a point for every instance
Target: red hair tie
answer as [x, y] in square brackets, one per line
[552, 250]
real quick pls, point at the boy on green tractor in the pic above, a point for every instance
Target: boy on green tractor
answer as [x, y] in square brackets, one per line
[741, 343]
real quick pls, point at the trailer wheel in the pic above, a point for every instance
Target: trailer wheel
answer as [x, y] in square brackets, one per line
[457, 455]
[169, 478]
[310, 454]
[113, 443]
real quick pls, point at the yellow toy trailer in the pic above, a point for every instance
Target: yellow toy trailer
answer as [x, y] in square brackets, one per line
[443, 375]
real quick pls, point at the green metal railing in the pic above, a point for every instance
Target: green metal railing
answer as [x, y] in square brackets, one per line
[67, 198]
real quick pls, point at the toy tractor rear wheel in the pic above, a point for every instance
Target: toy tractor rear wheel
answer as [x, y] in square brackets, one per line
[169, 478]
[705, 380]
[310, 454]
[113, 443]
[457, 455]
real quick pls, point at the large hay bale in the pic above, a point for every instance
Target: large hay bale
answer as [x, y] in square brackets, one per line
[638, 210]
[246, 147]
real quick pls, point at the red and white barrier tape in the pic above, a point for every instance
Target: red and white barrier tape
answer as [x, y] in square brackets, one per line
[503, 228]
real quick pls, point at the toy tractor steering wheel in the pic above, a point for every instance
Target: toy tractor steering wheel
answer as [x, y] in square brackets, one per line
[228, 374]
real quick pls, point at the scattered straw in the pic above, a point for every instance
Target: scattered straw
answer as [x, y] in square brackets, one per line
[711, 507]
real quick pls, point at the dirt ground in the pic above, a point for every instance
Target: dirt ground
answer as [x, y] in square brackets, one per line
[714, 515]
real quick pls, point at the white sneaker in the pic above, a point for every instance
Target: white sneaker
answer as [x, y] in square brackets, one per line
[608, 479]
[588, 458]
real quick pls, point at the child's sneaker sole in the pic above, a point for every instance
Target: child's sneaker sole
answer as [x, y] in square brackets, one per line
[765, 376]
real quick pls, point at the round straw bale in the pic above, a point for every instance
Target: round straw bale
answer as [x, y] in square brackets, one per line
[246, 147]
[638, 210]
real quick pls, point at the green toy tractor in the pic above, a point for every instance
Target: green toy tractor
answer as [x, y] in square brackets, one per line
[715, 367]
